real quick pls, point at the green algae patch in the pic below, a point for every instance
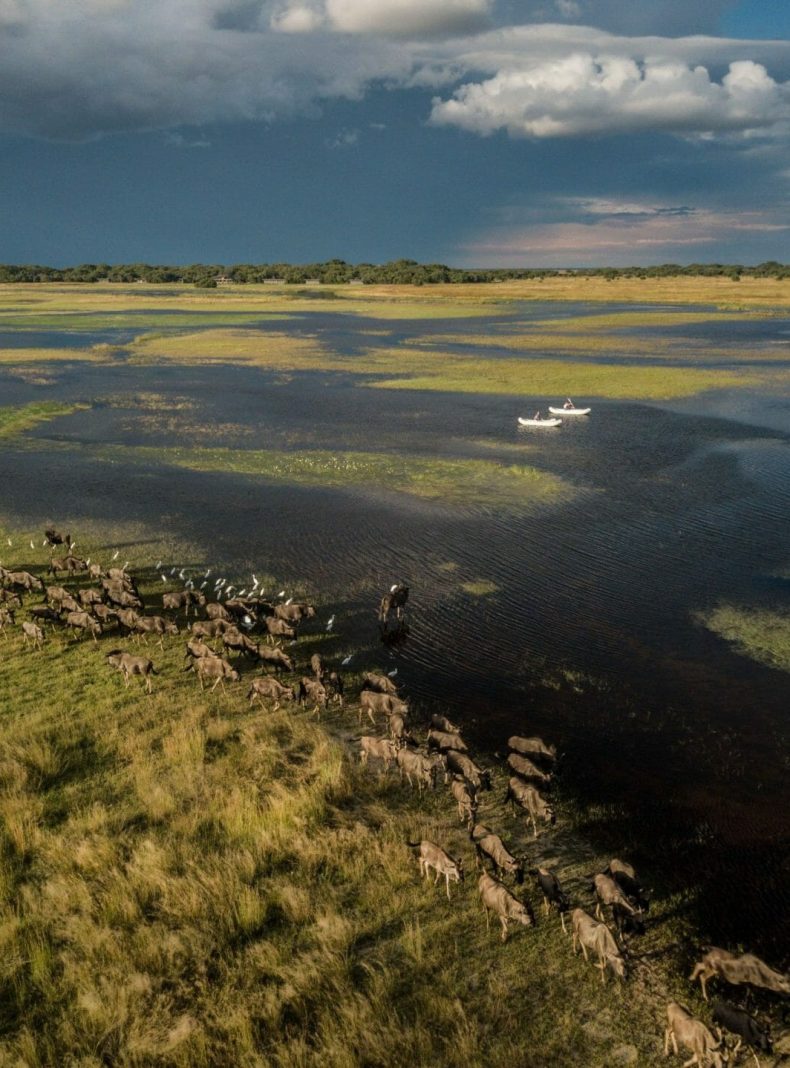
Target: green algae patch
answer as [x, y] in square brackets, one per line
[758, 633]
[16, 420]
[480, 588]
[537, 378]
[447, 481]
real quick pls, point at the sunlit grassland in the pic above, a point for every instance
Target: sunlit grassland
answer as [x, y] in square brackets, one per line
[188, 881]
[89, 354]
[15, 420]
[270, 350]
[447, 481]
[760, 634]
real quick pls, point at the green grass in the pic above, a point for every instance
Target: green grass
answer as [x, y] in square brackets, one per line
[450, 481]
[16, 420]
[187, 881]
[761, 635]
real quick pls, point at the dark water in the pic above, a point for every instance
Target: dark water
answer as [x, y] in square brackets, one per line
[590, 639]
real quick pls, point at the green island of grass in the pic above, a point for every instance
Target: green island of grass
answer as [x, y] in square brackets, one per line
[16, 420]
[192, 882]
[760, 634]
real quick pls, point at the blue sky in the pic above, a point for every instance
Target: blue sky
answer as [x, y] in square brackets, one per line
[472, 132]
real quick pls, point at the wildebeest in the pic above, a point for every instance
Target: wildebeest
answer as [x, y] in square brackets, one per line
[441, 740]
[524, 767]
[393, 600]
[460, 764]
[43, 613]
[10, 599]
[75, 563]
[198, 649]
[442, 723]
[127, 619]
[7, 616]
[741, 1023]
[378, 748]
[123, 598]
[104, 613]
[335, 686]
[53, 537]
[498, 899]
[466, 798]
[433, 856]
[595, 936]
[491, 846]
[738, 970]
[532, 747]
[553, 894]
[130, 665]
[213, 667]
[23, 580]
[278, 628]
[294, 613]
[398, 731]
[382, 703]
[625, 877]
[274, 656]
[317, 666]
[155, 625]
[210, 628]
[33, 633]
[692, 1033]
[56, 565]
[607, 892]
[417, 768]
[56, 594]
[380, 683]
[238, 642]
[217, 611]
[90, 596]
[269, 687]
[80, 621]
[95, 571]
[314, 690]
[183, 599]
[527, 797]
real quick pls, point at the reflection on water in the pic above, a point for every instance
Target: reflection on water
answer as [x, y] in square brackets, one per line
[686, 504]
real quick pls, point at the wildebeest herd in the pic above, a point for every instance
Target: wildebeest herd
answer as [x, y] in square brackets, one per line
[253, 628]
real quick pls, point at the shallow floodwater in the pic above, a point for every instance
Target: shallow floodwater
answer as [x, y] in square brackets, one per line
[678, 744]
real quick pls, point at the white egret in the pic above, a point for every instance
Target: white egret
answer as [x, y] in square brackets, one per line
[32, 546]
[345, 662]
[393, 673]
[289, 600]
[116, 554]
[280, 594]
[330, 623]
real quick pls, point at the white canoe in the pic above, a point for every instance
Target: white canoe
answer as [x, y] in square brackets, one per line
[539, 422]
[570, 411]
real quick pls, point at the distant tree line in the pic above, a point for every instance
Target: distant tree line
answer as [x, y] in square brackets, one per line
[338, 272]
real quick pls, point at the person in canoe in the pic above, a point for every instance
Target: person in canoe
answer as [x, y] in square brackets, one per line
[536, 415]
[568, 403]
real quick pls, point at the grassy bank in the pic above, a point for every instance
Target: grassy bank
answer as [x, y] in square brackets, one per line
[188, 881]
[18, 419]
[762, 635]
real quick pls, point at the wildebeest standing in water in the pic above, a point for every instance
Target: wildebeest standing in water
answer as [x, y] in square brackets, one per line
[392, 604]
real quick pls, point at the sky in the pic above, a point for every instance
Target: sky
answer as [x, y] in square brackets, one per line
[476, 133]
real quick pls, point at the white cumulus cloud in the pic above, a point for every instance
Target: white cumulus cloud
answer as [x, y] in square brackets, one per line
[586, 94]
[409, 18]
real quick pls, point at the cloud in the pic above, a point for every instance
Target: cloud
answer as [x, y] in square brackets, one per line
[344, 139]
[617, 232]
[73, 71]
[409, 18]
[586, 94]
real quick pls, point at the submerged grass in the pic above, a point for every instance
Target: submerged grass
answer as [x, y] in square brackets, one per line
[760, 634]
[190, 882]
[450, 481]
[16, 420]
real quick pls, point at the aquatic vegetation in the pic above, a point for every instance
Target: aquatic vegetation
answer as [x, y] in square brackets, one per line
[270, 349]
[758, 633]
[480, 587]
[449, 481]
[92, 354]
[16, 420]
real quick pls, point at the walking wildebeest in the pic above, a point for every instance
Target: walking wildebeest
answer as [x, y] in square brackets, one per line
[213, 667]
[457, 763]
[183, 599]
[23, 580]
[53, 537]
[553, 894]
[382, 703]
[608, 892]
[89, 597]
[294, 613]
[379, 748]
[32, 633]
[238, 642]
[211, 628]
[527, 797]
[741, 1023]
[441, 740]
[398, 731]
[737, 970]
[7, 616]
[532, 747]
[497, 898]
[274, 656]
[526, 769]
[127, 619]
[313, 689]
[198, 649]
[155, 625]
[83, 621]
[317, 666]
[694, 1035]
[104, 613]
[393, 601]
[595, 936]
[130, 665]
[43, 613]
[380, 683]
[466, 798]
[433, 856]
[491, 846]
[278, 628]
[442, 723]
[215, 610]
[418, 766]
[269, 687]
[335, 686]
[56, 565]
[75, 563]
